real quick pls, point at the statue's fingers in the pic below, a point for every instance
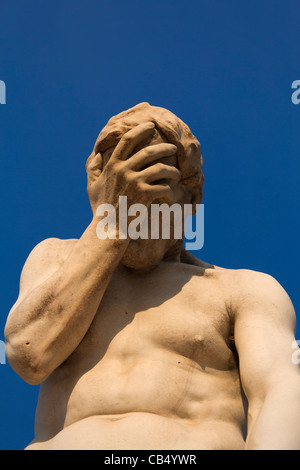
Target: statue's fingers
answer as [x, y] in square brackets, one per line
[151, 154]
[131, 139]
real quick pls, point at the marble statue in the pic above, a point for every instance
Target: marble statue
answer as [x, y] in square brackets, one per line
[136, 343]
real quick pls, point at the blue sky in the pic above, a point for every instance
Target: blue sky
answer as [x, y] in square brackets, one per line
[225, 68]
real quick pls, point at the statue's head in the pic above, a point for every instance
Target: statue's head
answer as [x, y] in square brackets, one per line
[188, 159]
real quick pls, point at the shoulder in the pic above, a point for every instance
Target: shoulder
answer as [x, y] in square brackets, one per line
[51, 248]
[257, 285]
[246, 283]
[254, 291]
[246, 290]
[248, 293]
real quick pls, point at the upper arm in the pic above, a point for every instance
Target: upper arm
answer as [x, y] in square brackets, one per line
[265, 325]
[43, 261]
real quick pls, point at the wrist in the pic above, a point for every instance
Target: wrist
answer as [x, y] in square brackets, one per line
[103, 229]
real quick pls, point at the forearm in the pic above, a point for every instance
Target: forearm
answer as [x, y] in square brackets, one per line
[277, 425]
[51, 321]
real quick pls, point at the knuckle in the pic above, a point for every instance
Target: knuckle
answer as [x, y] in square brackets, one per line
[174, 171]
[135, 176]
[149, 151]
[167, 191]
[118, 168]
[126, 138]
[140, 186]
[160, 166]
[130, 176]
[143, 188]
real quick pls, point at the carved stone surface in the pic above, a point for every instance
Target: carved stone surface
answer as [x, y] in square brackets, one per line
[137, 344]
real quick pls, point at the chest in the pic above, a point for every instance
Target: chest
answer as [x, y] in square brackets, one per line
[168, 310]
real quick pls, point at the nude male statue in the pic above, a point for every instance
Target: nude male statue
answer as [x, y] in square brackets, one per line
[136, 343]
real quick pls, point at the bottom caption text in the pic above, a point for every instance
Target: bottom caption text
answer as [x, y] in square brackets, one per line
[150, 459]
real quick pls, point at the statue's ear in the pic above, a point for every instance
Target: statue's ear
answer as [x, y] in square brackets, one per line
[94, 166]
[197, 194]
[89, 160]
[193, 197]
[196, 200]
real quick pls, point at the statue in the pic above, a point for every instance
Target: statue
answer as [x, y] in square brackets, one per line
[136, 343]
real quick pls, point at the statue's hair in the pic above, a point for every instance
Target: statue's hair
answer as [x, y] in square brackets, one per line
[174, 129]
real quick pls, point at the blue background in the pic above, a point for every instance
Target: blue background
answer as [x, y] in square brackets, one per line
[225, 68]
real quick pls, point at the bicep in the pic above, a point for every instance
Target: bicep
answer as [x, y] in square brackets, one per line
[264, 334]
[44, 260]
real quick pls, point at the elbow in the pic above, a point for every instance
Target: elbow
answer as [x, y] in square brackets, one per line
[25, 360]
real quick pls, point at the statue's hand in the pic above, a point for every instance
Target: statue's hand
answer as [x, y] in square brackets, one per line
[136, 175]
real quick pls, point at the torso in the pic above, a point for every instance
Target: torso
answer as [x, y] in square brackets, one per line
[156, 370]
